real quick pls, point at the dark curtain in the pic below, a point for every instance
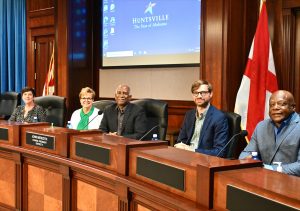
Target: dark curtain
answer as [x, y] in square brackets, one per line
[12, 45]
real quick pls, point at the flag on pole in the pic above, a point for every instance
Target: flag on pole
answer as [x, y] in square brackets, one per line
[259, 80]
[49, 86]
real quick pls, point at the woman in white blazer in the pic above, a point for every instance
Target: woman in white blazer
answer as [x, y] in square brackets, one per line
[87, 117]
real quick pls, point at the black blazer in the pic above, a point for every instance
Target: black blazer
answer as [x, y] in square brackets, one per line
[134, 122]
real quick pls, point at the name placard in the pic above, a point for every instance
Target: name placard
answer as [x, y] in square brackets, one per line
[39, 140]
[4, 134]
[92, 152]
[239, 199]
[165, 174]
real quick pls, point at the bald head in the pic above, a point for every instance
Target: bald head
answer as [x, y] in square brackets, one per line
[281, 105]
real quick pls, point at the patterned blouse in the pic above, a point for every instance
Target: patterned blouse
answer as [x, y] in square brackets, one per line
[37, 111]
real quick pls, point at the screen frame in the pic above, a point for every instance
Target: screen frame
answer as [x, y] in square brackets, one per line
[99, 49]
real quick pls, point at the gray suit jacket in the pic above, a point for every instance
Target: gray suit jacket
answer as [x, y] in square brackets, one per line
[285, 150]
[134, 123]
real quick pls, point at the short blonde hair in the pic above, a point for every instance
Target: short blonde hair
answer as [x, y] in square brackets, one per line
[86, 90]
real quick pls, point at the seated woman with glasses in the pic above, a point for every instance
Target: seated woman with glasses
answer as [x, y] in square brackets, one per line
[29, 112]
[87, 117]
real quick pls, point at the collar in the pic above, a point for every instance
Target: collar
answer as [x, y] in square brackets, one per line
[122, 111]
[203, 114]
[286, 121]
[283, 124]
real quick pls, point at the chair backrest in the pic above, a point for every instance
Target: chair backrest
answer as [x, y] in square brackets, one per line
[236, 146]
[157, 114]
[101, 104]
[55, 107]
[8, 102]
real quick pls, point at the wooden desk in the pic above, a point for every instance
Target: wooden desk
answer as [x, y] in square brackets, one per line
[193, 172]
[36, 179]
[14, 130]
[270, 186]
[114, 150]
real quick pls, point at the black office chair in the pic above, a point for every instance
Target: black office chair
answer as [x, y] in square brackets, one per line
[238, 144]
[101, 104]
[55, 107]
[8, 102]
[157, 114]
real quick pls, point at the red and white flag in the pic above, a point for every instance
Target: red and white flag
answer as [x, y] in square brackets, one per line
[49, 86]
[259, 80]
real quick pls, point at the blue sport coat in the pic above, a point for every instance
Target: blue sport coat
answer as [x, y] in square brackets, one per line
[214, 132]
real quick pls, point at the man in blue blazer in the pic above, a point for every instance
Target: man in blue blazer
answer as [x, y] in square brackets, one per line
[205, 128]
[277, 140]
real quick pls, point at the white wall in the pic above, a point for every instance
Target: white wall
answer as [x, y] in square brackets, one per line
[159, 83]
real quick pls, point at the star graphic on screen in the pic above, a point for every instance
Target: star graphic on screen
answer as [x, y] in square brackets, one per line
[149, 7]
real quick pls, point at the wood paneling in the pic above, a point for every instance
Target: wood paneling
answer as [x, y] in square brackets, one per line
[228, 29]
[34, 5]
[92, 198]
[40, 36]
[7, 182]
[44, 189]
[284, 26]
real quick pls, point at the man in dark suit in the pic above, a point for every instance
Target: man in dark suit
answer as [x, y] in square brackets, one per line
[124, 118]
[205, 128]
[277, 140]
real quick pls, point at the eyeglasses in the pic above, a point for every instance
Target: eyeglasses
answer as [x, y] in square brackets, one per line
[86, 98]
[202, 93]
[119, 93]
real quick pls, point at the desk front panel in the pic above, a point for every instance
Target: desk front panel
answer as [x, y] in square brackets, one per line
[275, 186]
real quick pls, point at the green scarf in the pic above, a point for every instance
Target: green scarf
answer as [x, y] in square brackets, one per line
[84, 119]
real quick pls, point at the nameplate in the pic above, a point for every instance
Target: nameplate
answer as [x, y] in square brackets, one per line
[165, 174]
[39, 140]
[3, 134]
[92, 152]
[239, 199]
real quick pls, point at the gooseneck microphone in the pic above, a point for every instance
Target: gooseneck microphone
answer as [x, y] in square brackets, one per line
[242, 133]
[148, 132]
[99, 113]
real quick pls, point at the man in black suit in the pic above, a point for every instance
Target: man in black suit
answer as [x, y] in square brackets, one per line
[124, 118]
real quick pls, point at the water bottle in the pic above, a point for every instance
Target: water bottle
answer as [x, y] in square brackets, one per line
[35, 119]
[154, 137]
[69, 125]
[279, 166]
[255, 155]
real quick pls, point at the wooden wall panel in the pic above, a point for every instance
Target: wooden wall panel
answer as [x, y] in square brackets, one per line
[7, 182]
[284, 32]
[92, 198]
[33, 5]
[40, 22]
[297, 59]
[228, 29]
[44, 189]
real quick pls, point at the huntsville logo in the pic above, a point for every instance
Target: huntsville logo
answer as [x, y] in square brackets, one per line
[149, 8]
[151, 19]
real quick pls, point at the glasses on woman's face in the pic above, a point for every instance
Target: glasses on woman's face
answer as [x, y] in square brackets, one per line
[202, 93]
[86, 98]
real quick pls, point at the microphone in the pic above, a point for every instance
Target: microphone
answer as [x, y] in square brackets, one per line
[148, 132]
[99, 113]
[242, 133]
